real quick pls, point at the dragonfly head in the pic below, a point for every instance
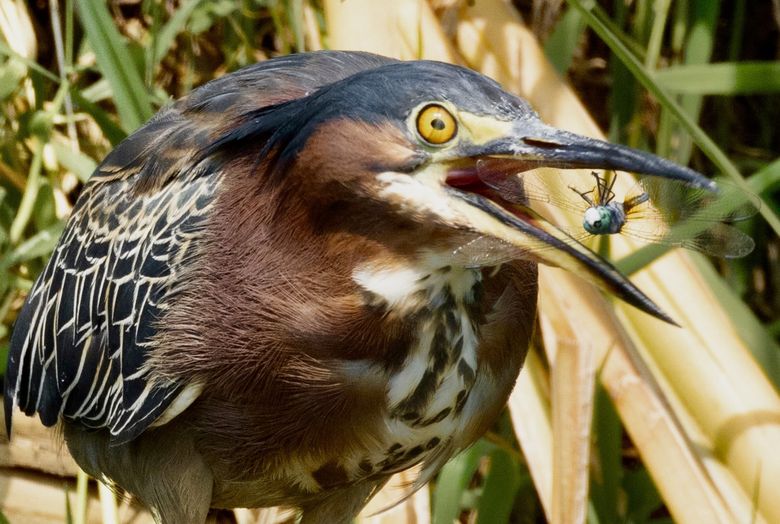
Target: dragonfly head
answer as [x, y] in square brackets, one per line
[599, 220]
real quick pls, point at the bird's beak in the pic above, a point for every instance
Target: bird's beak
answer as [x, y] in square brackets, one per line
[531, 145]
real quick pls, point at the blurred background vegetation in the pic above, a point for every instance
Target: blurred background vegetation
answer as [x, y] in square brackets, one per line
[77, 76]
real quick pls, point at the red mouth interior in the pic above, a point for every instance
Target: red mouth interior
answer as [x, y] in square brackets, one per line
[467, 179]
[470, 179]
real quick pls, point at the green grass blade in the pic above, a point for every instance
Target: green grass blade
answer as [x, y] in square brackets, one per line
[607, 468]
[295, 18]
[725, 78]
[35, 66]
[701, 37]
[623, 98]
[98, 91]
[500, 488]
[737, 32]
[641, 496]
[564, 40]
[660, 12]
[69, 9]
[697, 50]
[40, 244]
[766, 179]
[627, 40]
[116, 64]
[113, 132]
[76, 162]
[82, 497]
[25, 210]
[12, 72]
[167, 35]
[452, 481]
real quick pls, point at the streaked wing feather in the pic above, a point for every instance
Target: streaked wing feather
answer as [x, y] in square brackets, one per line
[85, 331]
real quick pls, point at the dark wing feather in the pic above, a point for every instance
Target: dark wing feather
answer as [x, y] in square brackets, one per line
[82, 340]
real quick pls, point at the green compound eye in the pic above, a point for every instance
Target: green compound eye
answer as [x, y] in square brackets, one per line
[597, 220]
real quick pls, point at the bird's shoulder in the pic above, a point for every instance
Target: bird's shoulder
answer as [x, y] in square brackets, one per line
[172, 143]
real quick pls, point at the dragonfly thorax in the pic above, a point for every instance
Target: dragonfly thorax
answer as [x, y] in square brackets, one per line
[606, 219]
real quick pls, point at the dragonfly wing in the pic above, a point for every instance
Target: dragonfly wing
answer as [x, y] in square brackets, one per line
[650, 227]
[678, 201]
[717, 239]
[721, 240]
[680, 215]
[502, 176]
[742, 204]
[546, 186]
[485, 251]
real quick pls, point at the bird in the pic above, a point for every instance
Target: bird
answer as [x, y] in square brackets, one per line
[256, 300]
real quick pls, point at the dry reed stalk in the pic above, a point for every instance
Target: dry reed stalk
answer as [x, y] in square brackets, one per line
[531, 412]
[706, 363]
[573, 379]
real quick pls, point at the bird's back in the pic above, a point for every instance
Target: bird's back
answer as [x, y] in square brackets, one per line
[80, 345]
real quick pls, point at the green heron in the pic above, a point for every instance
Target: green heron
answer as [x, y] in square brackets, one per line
[260, 297]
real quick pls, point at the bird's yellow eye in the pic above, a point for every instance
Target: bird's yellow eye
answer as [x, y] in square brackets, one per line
[436, 125]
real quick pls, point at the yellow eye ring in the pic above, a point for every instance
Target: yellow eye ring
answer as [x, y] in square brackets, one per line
[436, 125]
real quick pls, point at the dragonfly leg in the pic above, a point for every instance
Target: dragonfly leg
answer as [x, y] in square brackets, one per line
[584, 195]
[604, 194]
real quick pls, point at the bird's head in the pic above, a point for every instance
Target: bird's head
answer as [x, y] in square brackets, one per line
[396, 148]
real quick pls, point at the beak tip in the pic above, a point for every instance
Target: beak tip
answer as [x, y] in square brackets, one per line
[651, 308]
[669, 320]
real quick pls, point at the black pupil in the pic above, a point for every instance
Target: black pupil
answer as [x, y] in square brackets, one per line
[597, 223]
[437, 123]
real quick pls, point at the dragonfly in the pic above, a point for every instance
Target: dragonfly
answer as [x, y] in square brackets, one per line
[654, 210]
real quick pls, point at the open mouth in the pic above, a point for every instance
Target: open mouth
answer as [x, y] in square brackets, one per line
[490, 185]
[484, 177]
[494, 178]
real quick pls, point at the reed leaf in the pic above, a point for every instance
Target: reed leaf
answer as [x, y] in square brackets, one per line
[725, 78]
[116, 64]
